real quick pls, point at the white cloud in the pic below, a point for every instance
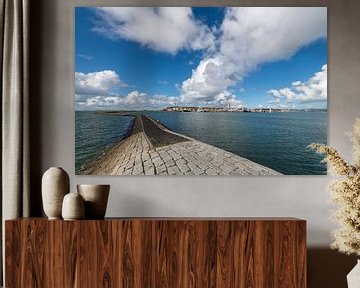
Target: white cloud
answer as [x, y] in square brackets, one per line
[250, 37]
[165, 29]
[163, 101]
[226, 98]
[134, 100]
[86, 57]
[97, 83]
[255, 35]
[313, 90]
[207, 80]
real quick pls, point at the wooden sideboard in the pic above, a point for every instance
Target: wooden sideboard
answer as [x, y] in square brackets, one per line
[156, 252]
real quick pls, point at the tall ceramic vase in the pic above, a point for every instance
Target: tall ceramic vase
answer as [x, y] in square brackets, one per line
[55, 185]
[353, 278]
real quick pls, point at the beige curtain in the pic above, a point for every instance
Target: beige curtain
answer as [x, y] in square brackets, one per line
[14, 30]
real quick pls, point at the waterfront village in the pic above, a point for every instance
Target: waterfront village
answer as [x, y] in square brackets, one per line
[229, 109]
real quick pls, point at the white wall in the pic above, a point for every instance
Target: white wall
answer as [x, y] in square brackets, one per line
[305, 197]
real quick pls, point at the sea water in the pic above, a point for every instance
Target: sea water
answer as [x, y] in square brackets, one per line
[95, 133]
[277, 140]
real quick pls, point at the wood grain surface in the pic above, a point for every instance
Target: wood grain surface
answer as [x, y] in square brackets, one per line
[150, 252]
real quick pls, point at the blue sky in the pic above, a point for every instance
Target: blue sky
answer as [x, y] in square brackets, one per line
[151, 58]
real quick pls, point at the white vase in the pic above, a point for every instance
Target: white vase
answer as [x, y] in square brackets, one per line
[73, 207]
[353, 278]
[55, 185]
[96, 198]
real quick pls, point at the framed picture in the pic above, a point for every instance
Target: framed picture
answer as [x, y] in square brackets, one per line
[200, 90]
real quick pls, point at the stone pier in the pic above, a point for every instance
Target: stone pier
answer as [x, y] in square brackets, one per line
[151, 149]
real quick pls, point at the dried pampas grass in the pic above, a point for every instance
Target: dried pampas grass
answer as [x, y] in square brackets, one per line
[345, 191]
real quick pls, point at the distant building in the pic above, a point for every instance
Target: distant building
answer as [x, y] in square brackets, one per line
[242, 109]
